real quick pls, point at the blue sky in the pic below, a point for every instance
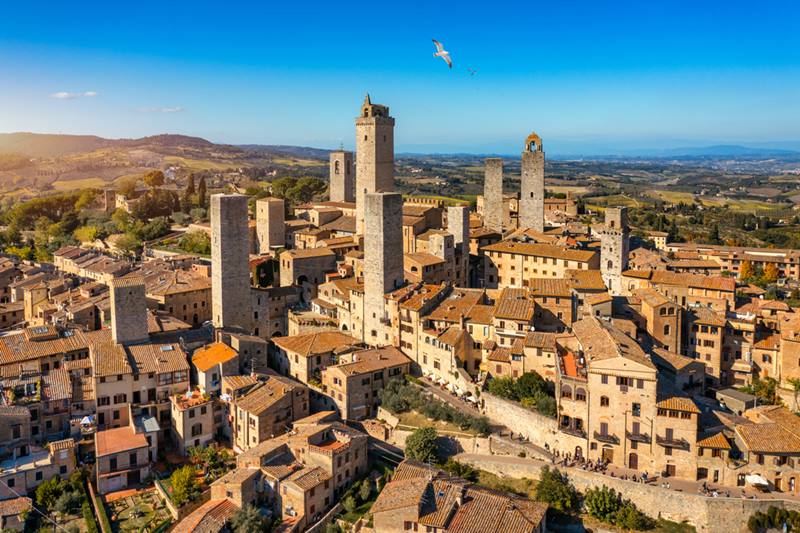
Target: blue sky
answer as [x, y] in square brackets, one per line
[588, 76]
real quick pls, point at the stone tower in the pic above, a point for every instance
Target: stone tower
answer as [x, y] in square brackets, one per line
[128, 310]
[270, 224]
[230, 271]
[342, 177]
[614, 248]
[374, 155]
[458, 226]
[383, 259]
[531, 200]
[493, 194]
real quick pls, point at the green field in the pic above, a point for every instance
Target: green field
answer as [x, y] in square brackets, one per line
[85, 183]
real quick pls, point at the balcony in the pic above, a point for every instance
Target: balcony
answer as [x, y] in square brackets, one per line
[638, 437]
[575, 432]
[682, 444]
[606, 438]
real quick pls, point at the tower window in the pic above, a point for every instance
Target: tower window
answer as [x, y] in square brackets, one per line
[365, 137]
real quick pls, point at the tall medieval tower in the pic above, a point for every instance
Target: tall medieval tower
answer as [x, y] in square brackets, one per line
[270, 224]
[493, 194]
[374, 155]
[230, 254]
[614, 248]
[531, 201]
[383, 260]
[128, 310]
[342, 177]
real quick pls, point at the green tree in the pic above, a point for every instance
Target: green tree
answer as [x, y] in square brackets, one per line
[188, 197]
[795, 383]
[349, 503]
[202, 193]
[48, 492]
[602, 503]
[87, 233]
[86, 199]
[365, 490]
[154, 179]
[555, 489]
[127, 187]
[248, 519]
[121, 219]
[421, 445]
[504, 388]
[184, 485]
[128, 244]
[195, 242]
[714, 236]
[67, 502]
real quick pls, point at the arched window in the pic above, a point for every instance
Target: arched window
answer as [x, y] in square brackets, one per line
[336, 167]
[566, 392]
[580, 394]
[666, 329]
[610, 264]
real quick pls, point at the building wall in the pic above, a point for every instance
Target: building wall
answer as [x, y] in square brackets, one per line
[128, 311]
[230, 272]
[342, 177]
[383, 258]
[493, 193]
[106, 483]
[270, 225]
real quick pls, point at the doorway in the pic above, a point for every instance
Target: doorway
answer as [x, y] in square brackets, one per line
[608, 455]
[633, 461]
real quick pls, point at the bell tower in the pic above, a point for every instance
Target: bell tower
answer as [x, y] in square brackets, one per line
[374, 155]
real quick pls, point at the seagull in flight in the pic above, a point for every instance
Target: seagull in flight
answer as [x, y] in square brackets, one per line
[441, 52]
[472, 71]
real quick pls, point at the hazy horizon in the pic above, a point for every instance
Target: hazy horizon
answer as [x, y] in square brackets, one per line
[585, 76]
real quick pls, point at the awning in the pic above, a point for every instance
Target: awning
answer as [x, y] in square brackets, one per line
[87, 420]
[451, 387]
[472, 398]
[441, 381]
[756, 479]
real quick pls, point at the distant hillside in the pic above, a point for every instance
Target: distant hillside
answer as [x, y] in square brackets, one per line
[50, 145]
[302, 152]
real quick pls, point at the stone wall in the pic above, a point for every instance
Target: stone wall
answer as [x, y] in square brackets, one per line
[708, 515]
[493, 193]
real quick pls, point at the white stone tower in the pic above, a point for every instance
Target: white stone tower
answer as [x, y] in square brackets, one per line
[493, 194]
[230, 270]
[128, 310]
[342, 177]
[614, 248]
[383, 260]
[374, 155]
[531, 200]
[270, 224]
[458, 226]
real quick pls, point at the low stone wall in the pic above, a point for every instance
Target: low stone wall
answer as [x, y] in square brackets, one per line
[708, 515]
[325, 520]
[167, 501]
[448, 444]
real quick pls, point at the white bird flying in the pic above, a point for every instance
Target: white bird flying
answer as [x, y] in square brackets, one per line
[441, 52]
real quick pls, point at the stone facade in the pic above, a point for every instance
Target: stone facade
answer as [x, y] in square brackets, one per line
[458, 226]
[128, 310]
[531, 203]
[270, 224]
[383, 259]
[493, 194]
[230, 273]
[614, 248]
[342, 178]
[374, 156]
